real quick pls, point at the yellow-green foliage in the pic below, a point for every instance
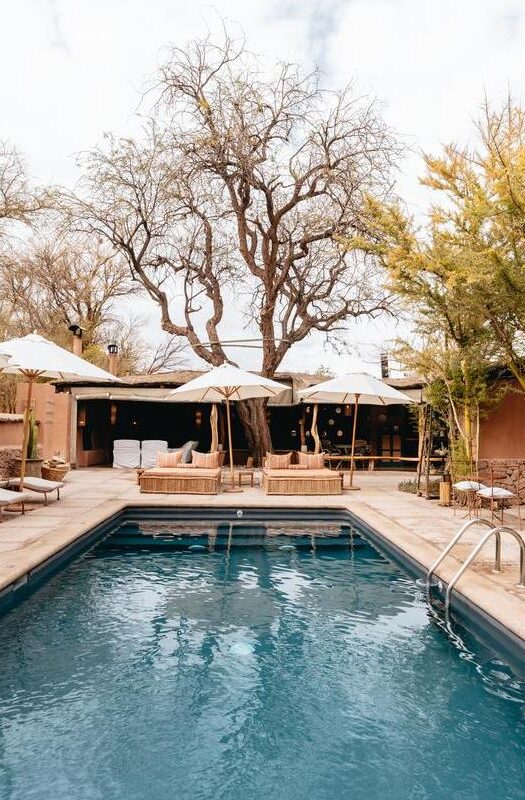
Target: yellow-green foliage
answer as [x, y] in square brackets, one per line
[461, 275]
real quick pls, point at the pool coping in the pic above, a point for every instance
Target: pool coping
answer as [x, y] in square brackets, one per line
[471, 602]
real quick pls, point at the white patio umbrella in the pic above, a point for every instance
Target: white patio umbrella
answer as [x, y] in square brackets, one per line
[35, 357]
[356, 388]
[227, 383]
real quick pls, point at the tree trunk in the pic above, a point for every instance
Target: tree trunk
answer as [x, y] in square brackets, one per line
[252, 415]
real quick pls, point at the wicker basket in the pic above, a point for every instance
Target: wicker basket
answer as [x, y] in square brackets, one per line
[55, 473]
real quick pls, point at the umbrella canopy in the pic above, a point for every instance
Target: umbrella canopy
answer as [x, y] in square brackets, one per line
[227, 383]
[34, 354]
[35, 357]
[356, 388]
[345, 389]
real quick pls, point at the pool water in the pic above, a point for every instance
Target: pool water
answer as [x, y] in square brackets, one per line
[193, 664]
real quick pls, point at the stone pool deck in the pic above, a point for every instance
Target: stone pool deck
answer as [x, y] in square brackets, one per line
[418, 527]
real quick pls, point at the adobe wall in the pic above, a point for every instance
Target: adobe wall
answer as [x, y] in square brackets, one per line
[52, 412]
[11, 428]
[502, 432]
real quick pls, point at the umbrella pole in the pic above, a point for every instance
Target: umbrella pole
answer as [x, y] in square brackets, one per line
[214, 430]
[232, 487]
[354, 429]
[25, 435]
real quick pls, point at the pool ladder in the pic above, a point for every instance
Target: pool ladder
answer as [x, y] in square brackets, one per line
[493, 531]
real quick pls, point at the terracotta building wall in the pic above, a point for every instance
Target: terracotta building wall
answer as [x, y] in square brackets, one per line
[10, 431]
[502, 432]
[52, 412]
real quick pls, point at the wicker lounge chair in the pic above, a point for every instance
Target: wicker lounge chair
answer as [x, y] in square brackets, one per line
[39, 485]
[8, 499]
[301, 481]
[180, 480]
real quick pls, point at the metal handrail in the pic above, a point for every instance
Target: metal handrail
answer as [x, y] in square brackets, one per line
[493, 532]
[455, 540]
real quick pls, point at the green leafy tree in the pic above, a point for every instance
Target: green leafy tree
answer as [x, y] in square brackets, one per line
[461, 275]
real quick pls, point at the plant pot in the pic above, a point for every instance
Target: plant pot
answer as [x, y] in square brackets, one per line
[33, 467]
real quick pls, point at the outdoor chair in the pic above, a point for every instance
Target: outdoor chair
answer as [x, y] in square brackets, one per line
[464, 495]
[297, 479]
[198, 477]
[497, 499]
[39, 485]
[8, 499]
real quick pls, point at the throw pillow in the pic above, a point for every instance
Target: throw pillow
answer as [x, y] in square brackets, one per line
[205, 460]
[312, 460]
[168, 459]
[274, 461]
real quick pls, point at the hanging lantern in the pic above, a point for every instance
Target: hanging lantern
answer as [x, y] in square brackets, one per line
[82, 416]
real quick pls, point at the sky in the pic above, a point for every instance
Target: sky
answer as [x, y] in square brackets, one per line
[74, 69]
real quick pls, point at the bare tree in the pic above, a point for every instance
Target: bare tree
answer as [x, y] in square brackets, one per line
[238, 194]
[18, 202]
[66, 280]
[136, 353]
[166, 356]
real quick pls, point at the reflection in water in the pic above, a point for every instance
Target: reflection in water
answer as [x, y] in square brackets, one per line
[211, 663]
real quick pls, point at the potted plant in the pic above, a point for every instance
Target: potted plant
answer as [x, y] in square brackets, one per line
[34, 459]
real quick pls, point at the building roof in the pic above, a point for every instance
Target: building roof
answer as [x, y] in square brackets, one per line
[179, 377]
[157, 386]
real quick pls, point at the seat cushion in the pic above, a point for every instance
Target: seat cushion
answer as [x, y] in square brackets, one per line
[495, 493]
[7, 497]
[182, 472]
[302, 474]
[37, 484]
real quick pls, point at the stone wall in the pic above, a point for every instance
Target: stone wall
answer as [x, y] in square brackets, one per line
[506, 472]
[7, 461]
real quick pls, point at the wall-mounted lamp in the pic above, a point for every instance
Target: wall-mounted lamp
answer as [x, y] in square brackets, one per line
[81, 416]
[113, 414]
[113, 358]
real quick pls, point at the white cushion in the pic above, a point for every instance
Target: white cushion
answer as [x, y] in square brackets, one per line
[150, 448]
[126, 459]
[37, 484]
[469, 486]
[7, 497]
[495, 492]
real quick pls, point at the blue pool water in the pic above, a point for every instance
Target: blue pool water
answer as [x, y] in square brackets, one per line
[147, 670]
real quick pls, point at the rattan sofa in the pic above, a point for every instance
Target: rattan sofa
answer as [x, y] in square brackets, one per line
[180, 480]
[301, 481]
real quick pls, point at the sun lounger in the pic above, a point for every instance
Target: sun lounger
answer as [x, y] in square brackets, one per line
[180, 480]
[301, 481]
[39, 485]
[8, 499]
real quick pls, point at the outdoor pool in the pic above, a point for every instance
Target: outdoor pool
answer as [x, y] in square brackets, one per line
[199, 661]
